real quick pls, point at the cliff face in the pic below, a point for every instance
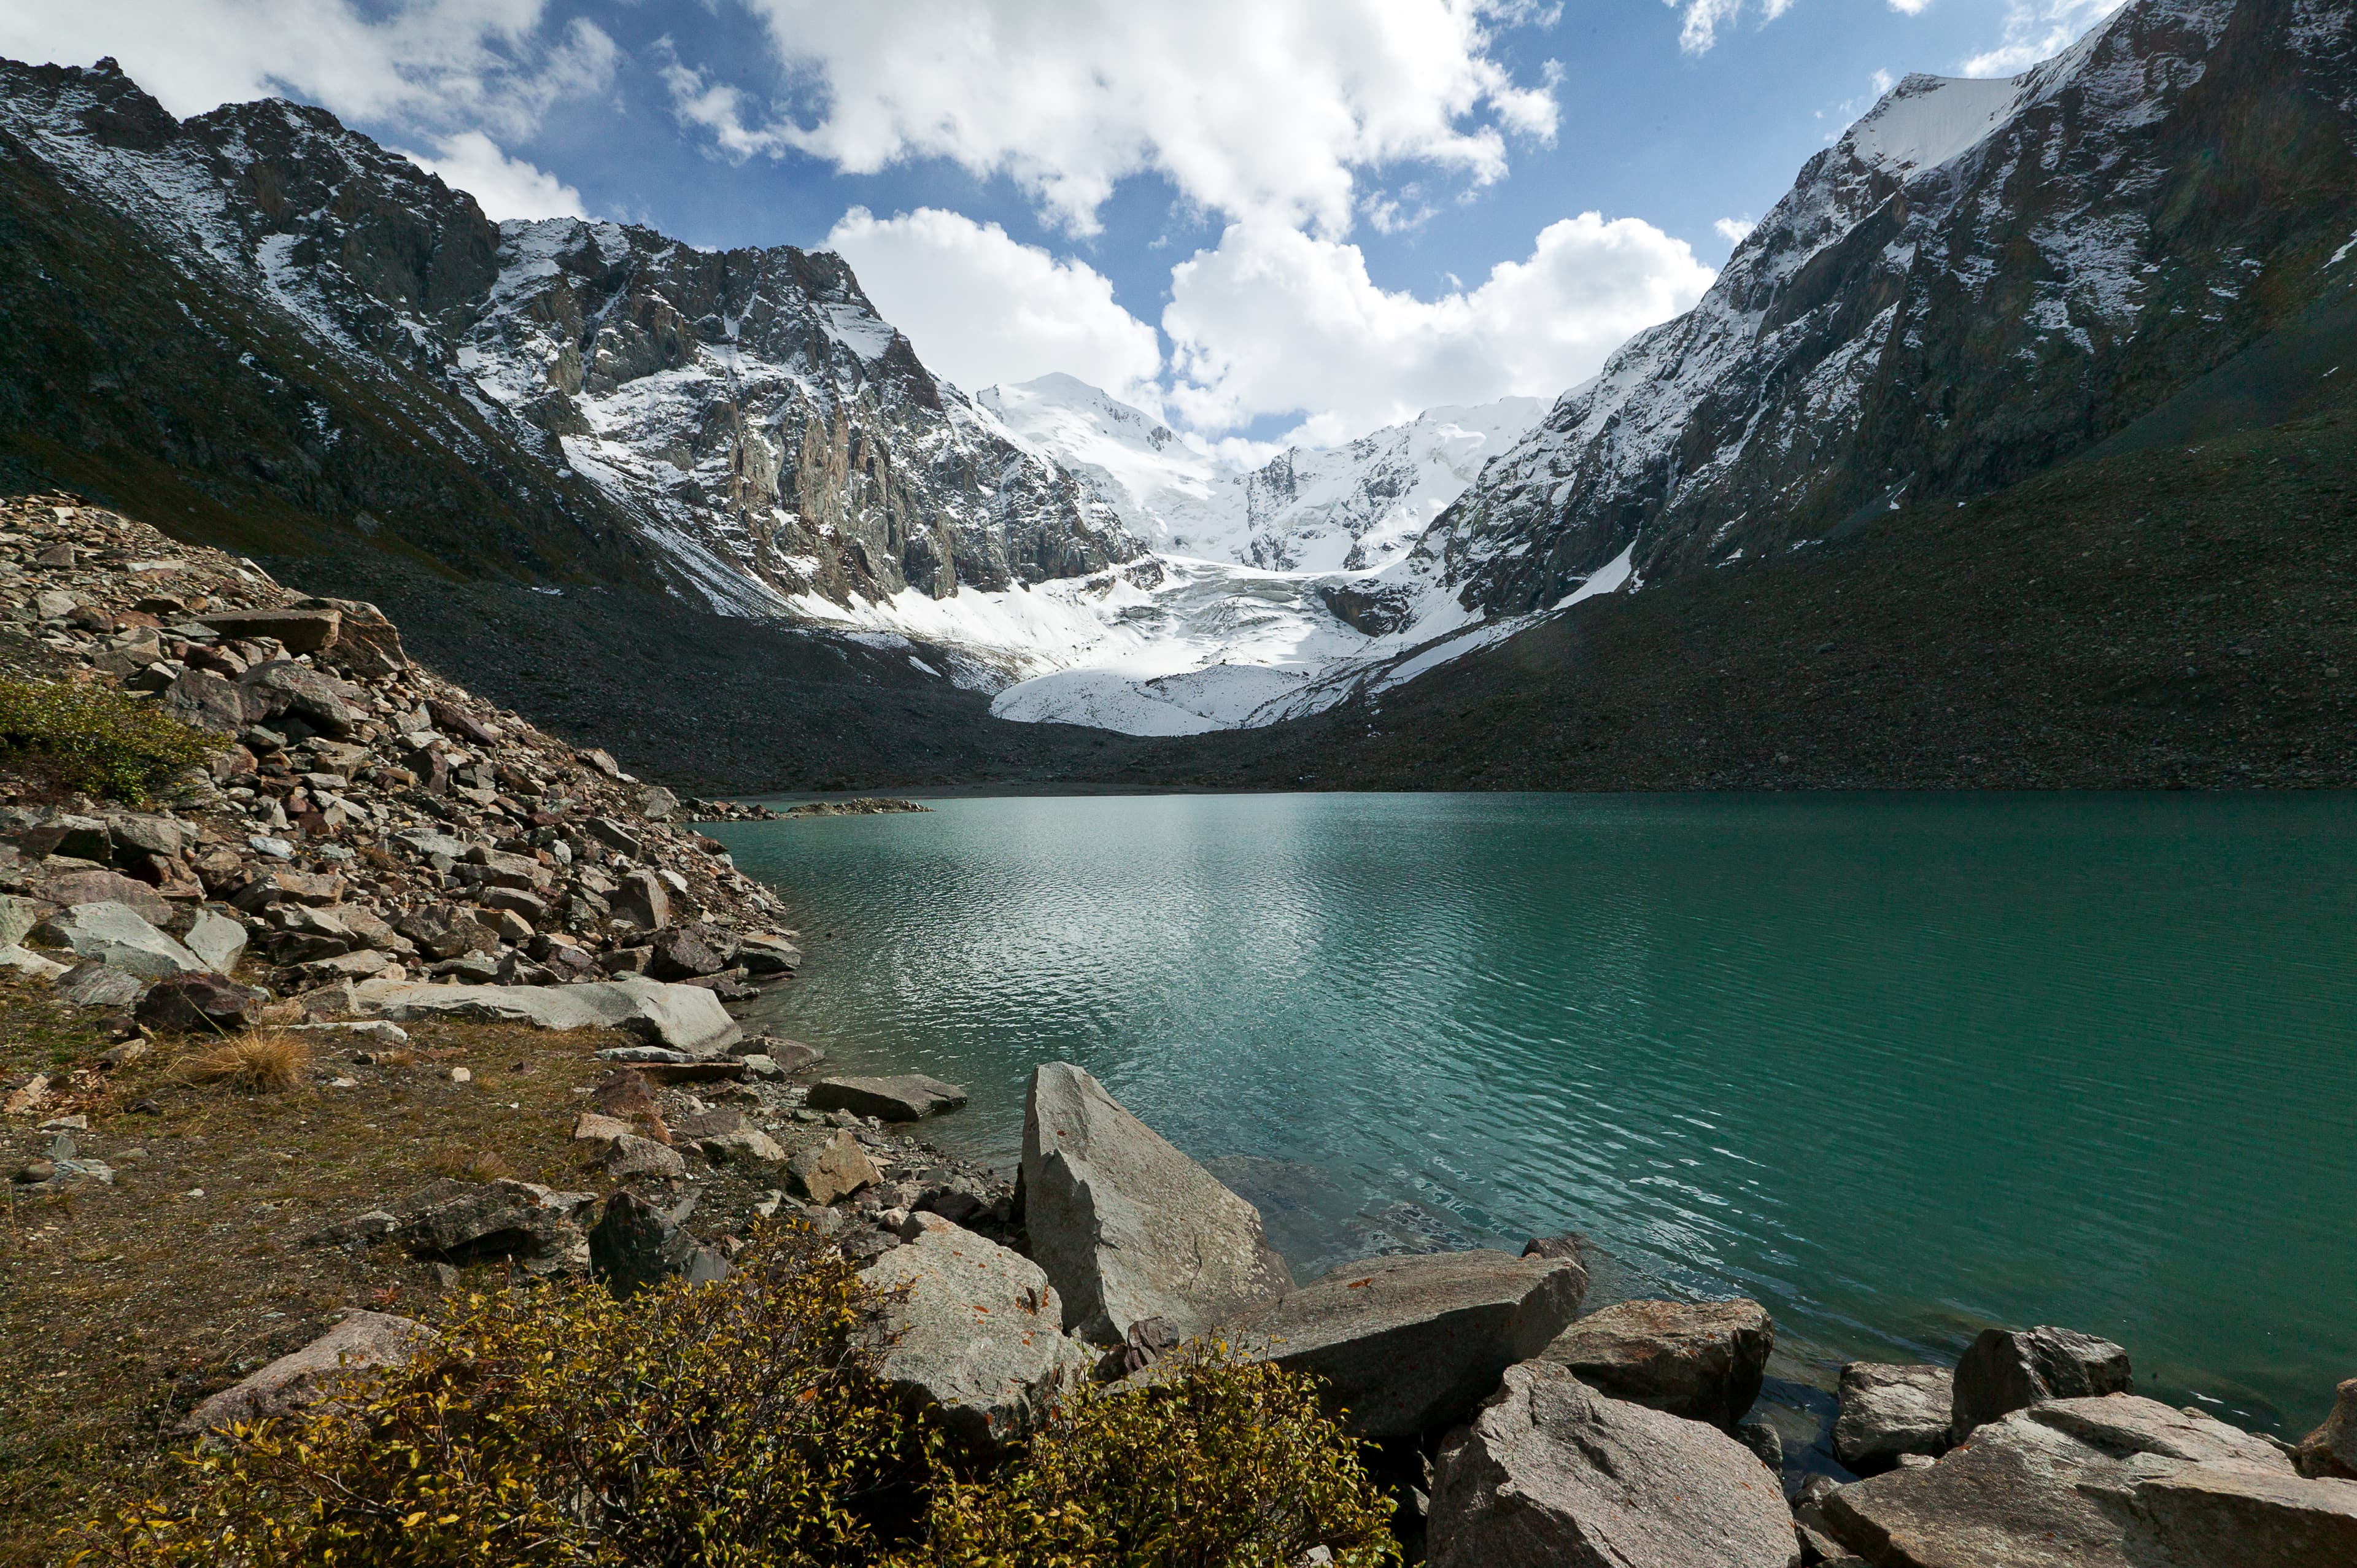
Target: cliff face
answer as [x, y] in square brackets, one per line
[1980, 279]
[334, 349]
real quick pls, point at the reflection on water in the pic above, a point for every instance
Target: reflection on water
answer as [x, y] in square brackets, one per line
[1899, 1066]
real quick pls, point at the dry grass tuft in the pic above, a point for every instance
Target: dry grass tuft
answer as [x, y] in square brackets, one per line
[469, 1165]
[267, 1059]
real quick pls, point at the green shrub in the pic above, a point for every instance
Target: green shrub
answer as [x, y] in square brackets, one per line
[740, 1425]
[1222, 1463]
[95, 738]
[730, 1424]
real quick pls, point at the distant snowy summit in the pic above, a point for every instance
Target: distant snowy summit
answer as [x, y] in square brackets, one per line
[1353, 508]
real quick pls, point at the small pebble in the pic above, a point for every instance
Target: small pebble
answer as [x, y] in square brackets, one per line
[460, 1074]
[37, 1170]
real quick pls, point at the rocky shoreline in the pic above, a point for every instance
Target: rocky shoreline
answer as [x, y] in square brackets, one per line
[373, 860]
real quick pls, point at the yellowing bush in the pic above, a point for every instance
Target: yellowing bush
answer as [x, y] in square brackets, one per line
[1222, 1463]
[740, 1425]
[95, 738]
[730, 1424]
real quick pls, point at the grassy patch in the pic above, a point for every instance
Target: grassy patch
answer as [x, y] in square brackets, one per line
[95, 738]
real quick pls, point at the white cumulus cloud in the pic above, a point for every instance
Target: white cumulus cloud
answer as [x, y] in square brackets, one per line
[1267, 109]
[982, 308]
[503, 187]
[431, 66]
[1735, 231]
[2037, 30]
[1277, 322]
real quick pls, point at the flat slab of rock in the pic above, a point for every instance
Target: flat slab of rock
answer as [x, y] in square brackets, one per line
[2108, 1482]
[116, 936]
[1887, 1411]
[1551, 1474]
[683, 1017]
[26, 961]
[2009, 1369]
[1126, 1226]
[362, 1340]
[907, 1097]
[91, 984]
[974, 1330]
[1406, 1345]
[1702, 1360]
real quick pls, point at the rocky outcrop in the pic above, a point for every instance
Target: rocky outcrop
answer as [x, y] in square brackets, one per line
[2006, 1370]
[2115, 1481]
[1404, 1346]
[1126, 1226]
[973, 1331]
[364, 1340]
[907, 1097]
[1887, 1411]
[459, 1222]
[1702, 1360]
[1553, 1474]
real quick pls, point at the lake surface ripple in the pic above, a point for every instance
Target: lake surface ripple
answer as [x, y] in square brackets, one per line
[1899, 1066]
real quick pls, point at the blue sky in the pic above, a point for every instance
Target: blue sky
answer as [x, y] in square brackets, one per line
[1264, 219]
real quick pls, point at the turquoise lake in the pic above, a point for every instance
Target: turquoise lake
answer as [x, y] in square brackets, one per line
[1899, 1066]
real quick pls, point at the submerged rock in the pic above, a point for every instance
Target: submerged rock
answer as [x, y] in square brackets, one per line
[1702, 1360]
[1126, 1226]
[1551, 1474]
[1408, 1345]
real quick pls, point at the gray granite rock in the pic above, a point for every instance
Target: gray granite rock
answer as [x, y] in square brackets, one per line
[1887, 1411]
[2009, 1369]
[906, 1097]
[2100, 1482]
[1702, 1360]
[362, 1341]
[1409, 1345]
[1126, 1226]
[973, 1330]
[114, 935]
[1551, 1474]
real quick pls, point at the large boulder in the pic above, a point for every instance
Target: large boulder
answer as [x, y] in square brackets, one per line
[635, 1245]
[683, 1017]
[1407, 1345]
[2006, 1370]
[907, 1097]
[362, 1341]
[2330, 1451]
[2108, 1482]
[1553, 1474]
[1702, 1360]
[1126, 1226]
[1887, 1411]
[114, 935]
[973, 1330]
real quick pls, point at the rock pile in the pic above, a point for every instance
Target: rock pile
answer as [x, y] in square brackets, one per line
[370, 839]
